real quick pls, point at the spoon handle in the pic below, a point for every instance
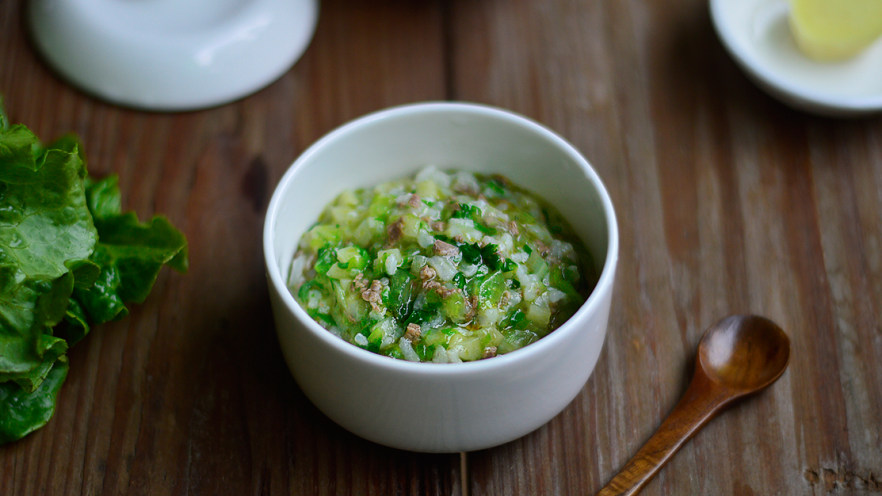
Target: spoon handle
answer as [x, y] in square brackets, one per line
[701, 401]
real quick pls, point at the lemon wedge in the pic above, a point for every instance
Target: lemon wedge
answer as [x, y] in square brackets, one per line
[830, 30]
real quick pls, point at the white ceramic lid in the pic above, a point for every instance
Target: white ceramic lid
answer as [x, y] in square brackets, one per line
[172, 54]
[757, 35]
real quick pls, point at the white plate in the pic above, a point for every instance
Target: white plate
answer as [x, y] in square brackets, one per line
[757, 35]
[172, 54]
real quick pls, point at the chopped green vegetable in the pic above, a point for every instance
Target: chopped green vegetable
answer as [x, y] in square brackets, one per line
[491, 290]
[471, 253]
[466, 211]
[69, 259]
[496, 186]
[460, 280]
[322, 235]
[491, 257]
[399, 299]
[509, 265]
[455, 308]
[327, 258]
[515, 320]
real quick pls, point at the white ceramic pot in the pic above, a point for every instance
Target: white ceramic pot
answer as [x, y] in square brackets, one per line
[171, 54]
[427, 406]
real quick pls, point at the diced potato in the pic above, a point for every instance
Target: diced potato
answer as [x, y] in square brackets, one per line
[539, 313]
[367, 231]
[466, 346]
[410, 226]
[427, 190]
[322, 234]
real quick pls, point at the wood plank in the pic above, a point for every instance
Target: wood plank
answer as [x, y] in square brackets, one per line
[728, 202]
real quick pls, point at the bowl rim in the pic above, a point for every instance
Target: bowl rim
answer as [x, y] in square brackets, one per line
[786, 86]
[605, 279]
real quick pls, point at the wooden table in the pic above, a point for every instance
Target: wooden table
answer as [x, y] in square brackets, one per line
[728, 202]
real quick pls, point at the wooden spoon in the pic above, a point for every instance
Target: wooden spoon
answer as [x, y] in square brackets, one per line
[737, 356]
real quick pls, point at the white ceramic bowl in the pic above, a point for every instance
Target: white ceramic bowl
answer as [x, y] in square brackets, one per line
[757, 35]
[171, 54]
[427, 406]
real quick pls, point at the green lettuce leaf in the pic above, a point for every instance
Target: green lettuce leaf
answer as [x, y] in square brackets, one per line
[129, 254]
[69, 259]
[27, 347]
[45, 230]
[22, 412]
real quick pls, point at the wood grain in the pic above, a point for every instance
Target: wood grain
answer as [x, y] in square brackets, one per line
[728, 202]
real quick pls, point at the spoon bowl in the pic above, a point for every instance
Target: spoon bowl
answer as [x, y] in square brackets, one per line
[744, 352]
[737, 356]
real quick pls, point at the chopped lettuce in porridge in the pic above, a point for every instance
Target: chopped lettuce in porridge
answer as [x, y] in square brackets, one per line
[446, 266]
